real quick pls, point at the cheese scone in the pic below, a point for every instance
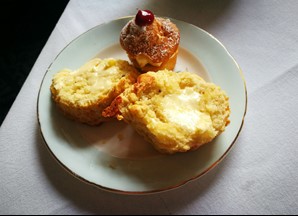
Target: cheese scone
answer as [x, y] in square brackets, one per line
[84, 93]
[176, 112]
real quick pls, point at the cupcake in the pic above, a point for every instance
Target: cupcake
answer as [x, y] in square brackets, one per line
[150, 42]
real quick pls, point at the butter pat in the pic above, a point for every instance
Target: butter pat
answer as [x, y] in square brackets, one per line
[183, 109]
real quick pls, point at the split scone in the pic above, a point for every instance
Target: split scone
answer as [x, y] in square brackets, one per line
[176, 112]
[83, 94]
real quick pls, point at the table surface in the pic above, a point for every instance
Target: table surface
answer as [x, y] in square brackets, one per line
[259, 175]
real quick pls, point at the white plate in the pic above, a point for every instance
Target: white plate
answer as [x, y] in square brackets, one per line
[112, 156]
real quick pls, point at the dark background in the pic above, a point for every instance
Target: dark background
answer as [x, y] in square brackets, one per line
[26, 27]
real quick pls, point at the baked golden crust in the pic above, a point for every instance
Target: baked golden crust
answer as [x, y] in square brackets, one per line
[176, 112]
[83, 94]
[152, 47]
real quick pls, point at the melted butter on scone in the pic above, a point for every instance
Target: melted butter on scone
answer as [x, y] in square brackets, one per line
[82, 94]
[93, 78]
[183, 109]
[175, 112]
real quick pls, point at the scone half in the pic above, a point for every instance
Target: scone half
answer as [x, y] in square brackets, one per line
[83, 94]
[176, 112]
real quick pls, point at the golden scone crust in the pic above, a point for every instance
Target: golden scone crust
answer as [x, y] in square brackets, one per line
[83, 94]
[176, 112]
[152, 47]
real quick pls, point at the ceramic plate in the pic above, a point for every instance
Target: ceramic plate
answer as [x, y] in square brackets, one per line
[112, 156]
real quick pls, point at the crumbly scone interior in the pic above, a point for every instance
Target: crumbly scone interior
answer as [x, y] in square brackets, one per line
[83, 94]
[90, 82]
[176, 112]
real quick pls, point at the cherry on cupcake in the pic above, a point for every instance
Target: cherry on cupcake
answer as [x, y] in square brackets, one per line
[144, 17]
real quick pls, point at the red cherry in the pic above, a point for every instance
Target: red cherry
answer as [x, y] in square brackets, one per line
[144, 17]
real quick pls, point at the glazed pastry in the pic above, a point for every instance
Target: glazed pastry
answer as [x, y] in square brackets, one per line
[83, 94]
[175, 112]
[150, 42]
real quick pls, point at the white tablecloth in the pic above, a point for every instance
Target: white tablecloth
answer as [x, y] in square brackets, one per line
[260, 174]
